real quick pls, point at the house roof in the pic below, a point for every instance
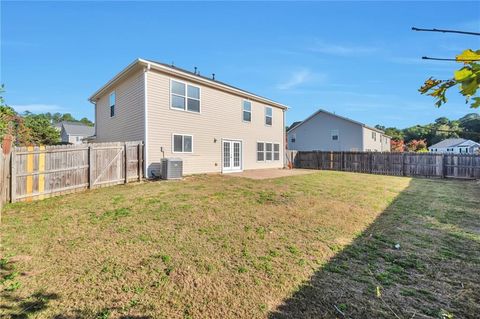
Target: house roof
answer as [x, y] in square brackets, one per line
[295, 124]
[452, 142]
[170, 69]
[78, 129]
[293, 127]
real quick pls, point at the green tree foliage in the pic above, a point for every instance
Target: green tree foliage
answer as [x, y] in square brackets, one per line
[67, 117]
[442, 128]
[467, 79]
[41, 130]
[12, 124]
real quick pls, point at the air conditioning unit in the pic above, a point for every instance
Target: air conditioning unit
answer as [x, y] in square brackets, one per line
[172, 168]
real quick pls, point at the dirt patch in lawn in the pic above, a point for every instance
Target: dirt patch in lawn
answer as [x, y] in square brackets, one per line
[221, 247]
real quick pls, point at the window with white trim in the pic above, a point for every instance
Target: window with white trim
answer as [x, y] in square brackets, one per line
[268, 151]
[334, 134]
[247, 111]
[268, 116]
[260, 151]
[276, 152]
[374, 136]
[185, 97]
[182, 143]
[111, 102]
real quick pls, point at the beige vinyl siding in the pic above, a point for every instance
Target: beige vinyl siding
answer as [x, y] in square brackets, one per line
[369, 143]
[129, 120]
[220, 118]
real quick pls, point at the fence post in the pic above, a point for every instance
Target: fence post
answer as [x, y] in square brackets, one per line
[403, 165]
[91, 165]
[139, 162]
[443, 166]
[125, 150]
[13, 177]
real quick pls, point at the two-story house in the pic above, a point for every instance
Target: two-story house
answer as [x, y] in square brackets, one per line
[326, 131]
[210, 125]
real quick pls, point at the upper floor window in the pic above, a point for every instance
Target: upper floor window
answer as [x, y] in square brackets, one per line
[247, 111]
[268, 116]
[111, 102]
[185, 97]
[334, 135]
[374, 136]
[182, 143]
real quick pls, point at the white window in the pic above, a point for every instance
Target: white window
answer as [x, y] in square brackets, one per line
[334, 134]
[260, 152]
[374, 136]
[182, 143]
[111, 101]
[268, 116]
[185, 97]
[268, 151]
[276, 152]
[247, 111]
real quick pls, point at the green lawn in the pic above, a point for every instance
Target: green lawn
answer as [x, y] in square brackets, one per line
[311, 246]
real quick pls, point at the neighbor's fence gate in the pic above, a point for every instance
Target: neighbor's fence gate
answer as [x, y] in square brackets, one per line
[461, 166]
[44, 171]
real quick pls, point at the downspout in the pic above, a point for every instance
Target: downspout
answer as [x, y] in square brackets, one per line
[145, 99]
[284, 139]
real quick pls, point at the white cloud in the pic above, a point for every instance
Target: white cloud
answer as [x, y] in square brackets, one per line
[38, 108]
[338, 49]
[301, 77]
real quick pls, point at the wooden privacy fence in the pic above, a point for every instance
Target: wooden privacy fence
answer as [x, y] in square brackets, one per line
[462, 166]
[44, 171]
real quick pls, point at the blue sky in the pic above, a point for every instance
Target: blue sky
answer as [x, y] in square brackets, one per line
[358, 59]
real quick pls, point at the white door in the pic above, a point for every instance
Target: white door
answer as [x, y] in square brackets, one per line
[232, 156]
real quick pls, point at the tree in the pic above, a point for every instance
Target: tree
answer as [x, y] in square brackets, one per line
[397, 145]
[466, 78]
[417, 146]
[12, 124]
[42, 132]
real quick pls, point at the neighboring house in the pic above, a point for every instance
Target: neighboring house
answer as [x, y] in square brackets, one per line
[325, 131]
[210, 125]
[456, 146]
[74, 132]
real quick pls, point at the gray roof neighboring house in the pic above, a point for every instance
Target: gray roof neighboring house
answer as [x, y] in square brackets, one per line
[297, 124]
[77, 129]
[451, 142]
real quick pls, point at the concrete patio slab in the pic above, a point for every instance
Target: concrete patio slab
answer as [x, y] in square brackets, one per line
[271, 173]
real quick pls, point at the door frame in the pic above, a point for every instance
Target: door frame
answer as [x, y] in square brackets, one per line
[241, 154]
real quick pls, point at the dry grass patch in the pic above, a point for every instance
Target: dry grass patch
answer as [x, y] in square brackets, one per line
[208, 246]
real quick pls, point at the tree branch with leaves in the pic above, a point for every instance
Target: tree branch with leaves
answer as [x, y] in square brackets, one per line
[466, 78]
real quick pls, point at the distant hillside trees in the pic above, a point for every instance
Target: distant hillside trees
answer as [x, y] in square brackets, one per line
[442, 128]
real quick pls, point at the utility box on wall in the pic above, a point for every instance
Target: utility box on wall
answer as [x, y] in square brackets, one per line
[172, 168]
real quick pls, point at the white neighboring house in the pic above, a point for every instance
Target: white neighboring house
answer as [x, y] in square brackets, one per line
[325, 131]
[74, 132]
[455, 146]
